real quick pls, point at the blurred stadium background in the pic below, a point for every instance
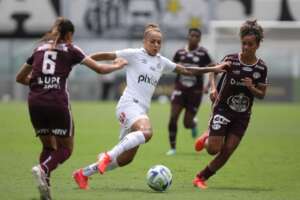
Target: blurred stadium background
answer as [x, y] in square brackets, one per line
[106, 25]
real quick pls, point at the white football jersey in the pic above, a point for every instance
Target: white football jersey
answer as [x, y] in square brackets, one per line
[142, 74]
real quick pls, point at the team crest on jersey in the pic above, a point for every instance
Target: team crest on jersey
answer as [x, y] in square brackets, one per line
[238, 103]
[256, 75]
[247, 69]
[196, 59]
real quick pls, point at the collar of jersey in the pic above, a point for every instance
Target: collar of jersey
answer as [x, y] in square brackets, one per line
[145, 52]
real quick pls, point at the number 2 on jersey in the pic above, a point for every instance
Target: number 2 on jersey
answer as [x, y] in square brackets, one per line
[49, 62]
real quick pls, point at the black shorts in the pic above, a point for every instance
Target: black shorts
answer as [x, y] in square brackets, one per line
[52, 120]
[190, 99]
[224, 122]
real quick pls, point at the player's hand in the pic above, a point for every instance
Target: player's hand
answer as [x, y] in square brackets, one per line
[213, 95]
[120, 62]
[206, 89]
[248, 82]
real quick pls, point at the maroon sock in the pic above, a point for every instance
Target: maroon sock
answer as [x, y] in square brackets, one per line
[205, 173]
[45, 154]
[55, 158]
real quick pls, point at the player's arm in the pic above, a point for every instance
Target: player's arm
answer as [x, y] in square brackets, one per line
[208, 84]
[99, 56]
[117, 64]
[259, 90]
[213, 93]
[194, 71]
[24, 74]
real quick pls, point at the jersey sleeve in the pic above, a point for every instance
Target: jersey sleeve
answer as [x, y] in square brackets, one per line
[176, 57]
[78, 55]
[263, 79]
[168, 65]
[208, 60]
[29, 60]
[126, 53]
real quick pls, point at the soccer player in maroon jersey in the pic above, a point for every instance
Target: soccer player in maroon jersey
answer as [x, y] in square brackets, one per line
[245, 80]
[188, 90]
[46, 72]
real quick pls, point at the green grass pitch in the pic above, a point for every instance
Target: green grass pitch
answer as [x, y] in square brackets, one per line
[265, 166]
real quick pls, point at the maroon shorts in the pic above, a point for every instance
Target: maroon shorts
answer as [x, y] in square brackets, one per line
[188, 98]
[51, 120]
[224, 122]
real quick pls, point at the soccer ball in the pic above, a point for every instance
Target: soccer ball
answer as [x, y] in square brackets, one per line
[159, 178]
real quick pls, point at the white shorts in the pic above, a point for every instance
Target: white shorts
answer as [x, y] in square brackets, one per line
[128, 113]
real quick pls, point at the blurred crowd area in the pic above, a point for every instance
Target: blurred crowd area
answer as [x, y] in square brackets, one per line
[108, 25]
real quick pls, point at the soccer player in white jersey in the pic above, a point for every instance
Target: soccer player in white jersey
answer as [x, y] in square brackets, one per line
[144, 69]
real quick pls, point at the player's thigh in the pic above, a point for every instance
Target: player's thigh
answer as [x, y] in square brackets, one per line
[48, 141]
[215, 144]
[193, 101]
[65, 142]
[232, 142]
[188, 119]
[175, 111]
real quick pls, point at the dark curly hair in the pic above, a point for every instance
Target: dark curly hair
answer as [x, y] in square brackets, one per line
[251, 27]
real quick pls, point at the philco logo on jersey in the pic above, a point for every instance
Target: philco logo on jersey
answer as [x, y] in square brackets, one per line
[145, 78]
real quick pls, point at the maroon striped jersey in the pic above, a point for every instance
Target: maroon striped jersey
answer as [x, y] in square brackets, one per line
[233, 94]
[50, 70]
[196, 58]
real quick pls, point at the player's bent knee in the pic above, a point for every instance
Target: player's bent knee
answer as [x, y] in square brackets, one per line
[213, 150]
[148, 135]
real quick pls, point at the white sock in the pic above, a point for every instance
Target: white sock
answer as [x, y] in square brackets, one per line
[130, 141]
[93, 168]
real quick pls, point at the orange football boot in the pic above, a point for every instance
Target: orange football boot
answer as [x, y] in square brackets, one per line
[80, 179]
[198, 182]
[200, 141]
[104, 163]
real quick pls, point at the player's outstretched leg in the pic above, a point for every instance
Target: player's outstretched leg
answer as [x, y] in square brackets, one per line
[81, 179]
[81, 176]
[200, 142]
[130, 141]
[42, 183]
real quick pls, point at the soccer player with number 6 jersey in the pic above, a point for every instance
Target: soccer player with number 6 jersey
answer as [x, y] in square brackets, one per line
[46, 72]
